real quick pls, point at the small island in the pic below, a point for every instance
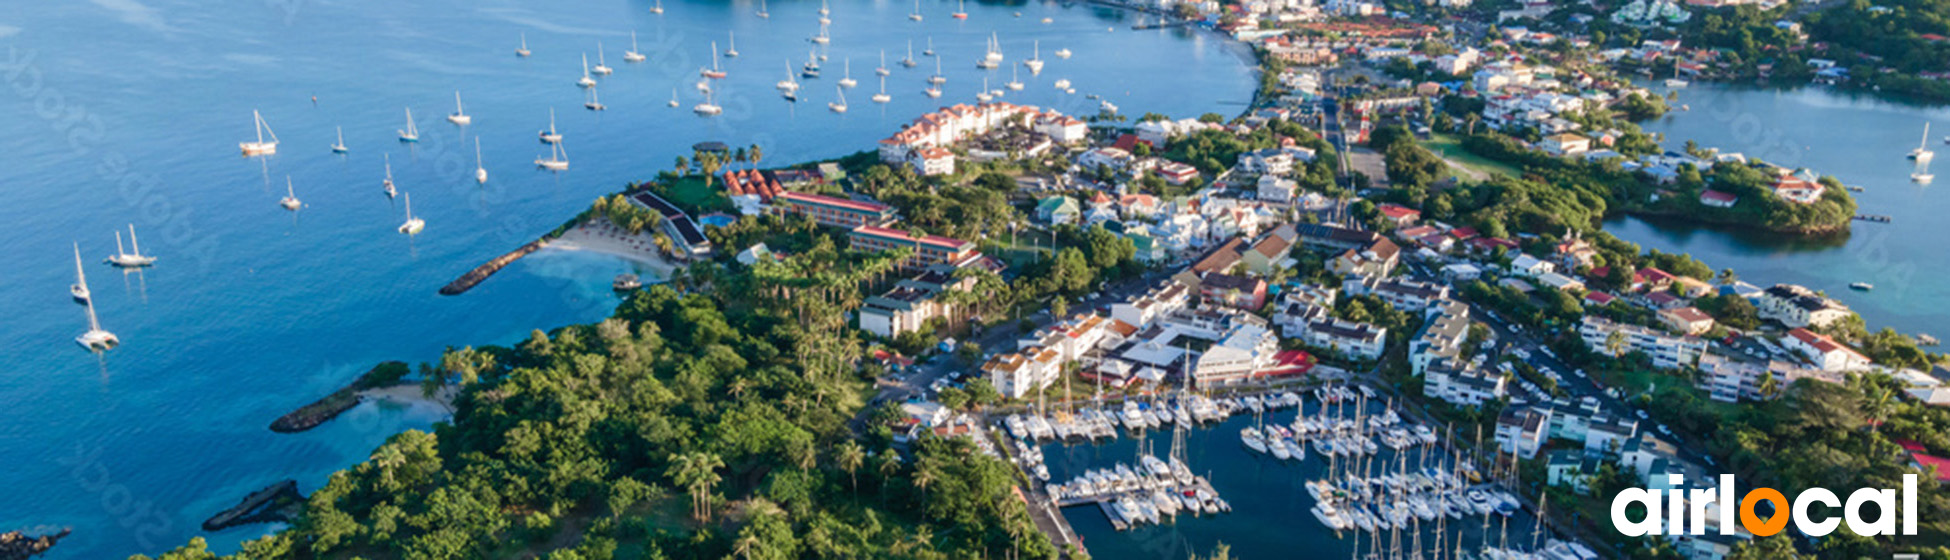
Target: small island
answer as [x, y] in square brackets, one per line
[16, 545]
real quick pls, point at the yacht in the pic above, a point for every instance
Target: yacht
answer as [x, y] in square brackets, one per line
[838, 106]
[290, 201]
[550, 136]
[846, 77]
[882, 97]
[558, 159]
[995, 49]
[933, 92]
[80, 287]
[938, 78]
[673, 97]
[707, 108]
[984, 96]
[601, 68]
[882, 70]
[811, 69]
[586, 81]
[413, 225]
[339, 148]
[460, 116]
[1035, 62]
[1862, 286]
[1922, 151]
[480, 170]
[1063, 53]
[593, 104]
[523, 49]
[412, 131]
[916, 16]
[761, 13]
[731, 47]
[626, 282]
[632, 55]
[713, 72]
[930, 50]
[1015, 81]
[822, 38]
[788, 84]
[133, 259]
[95, 339]
[1922, 177]
[1063, 84]
[659, 8]
[1250, 436]
[388, 184]
[909, 61]
[260, 147]
[961, 10]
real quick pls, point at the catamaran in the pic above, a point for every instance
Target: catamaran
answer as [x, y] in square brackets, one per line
[909, 61]
[1922, 151]
[602, 68]
[593, 103]
[480, 170]
[632, 55]
[388, 184]
[134, 259]
[460, 116]
[961, 10]
[80, 287]
[811, 70]
[731, 49]
[916, 16]
[523, 49]
[550, 136]
[260, 147]
[882, 97]
[846, 79]
[707, 108]
[413, 225]
[586, 81]
[882, 69]
[558, 159]
[1035, 62]
[290, 201]
[412, 131]
[339, 148]
[838, 106]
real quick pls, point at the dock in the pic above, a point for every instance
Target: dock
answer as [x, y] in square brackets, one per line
[481, 273]
[1877, 218]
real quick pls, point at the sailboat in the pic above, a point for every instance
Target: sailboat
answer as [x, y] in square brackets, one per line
[933, 92]
[824, 12]
[707, 108]
[984, 95]
[882, 97]
[290, 200]
[909, 61]
[822, 38]
[459, 117]
[673, 97]
[811, 70]
[1035, 62]
[550, 136]
[838, 106]
[916, 16]
[388, 184]
[602, 68]
[882, 70]
[480, 170]
[961, 10]
[523, 49]
[937, 78]
[846, 79]
[761, 10]
[558, 158]
[413, 225]
[1922, 151]
[1015, 84]
[80, 287]
[586, 81]
[133, 259]
[731, 50]
[713, 72]
[260, 147]
[412, 132]
[788, 85]
[659, 8]
[632, 55]
[995, 49]
[593, 103]
[339, 148]
[1063, 53]
[930, 50]
[1063, 83]
[95, 339]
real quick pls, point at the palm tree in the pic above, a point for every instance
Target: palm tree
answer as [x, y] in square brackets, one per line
[851, 458]
[746, 545]
[1877, 406]
[697, 472]
[710, 164]
[925, 475]
[1728, 276]
[1769, 385]
[683, 166]
[754, 153]
[1615, 344]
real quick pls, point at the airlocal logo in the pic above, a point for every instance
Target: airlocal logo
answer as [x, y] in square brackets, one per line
[1683, 505]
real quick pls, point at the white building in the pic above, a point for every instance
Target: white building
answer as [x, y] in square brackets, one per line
[1668, 351]
[1797, 306]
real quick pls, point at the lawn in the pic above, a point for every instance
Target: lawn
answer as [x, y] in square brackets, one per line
[1450, 148]
[690, 194]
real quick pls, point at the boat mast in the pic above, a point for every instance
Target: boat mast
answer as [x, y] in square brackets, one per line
[132, 242]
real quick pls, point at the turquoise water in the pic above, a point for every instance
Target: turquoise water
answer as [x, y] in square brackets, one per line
[1862, 141]
[129, 111]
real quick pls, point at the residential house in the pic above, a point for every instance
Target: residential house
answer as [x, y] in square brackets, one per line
[1824, 351]
[1798, 190]
[1564, 144]
[1667, 351]
[1522, 431]
[1798, 306]
[1238, 292]
[1401, 216]
[1276, 189]
[1057, 210]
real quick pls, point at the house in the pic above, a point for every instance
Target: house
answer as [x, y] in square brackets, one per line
[1574, 253]
[1733, 377]
[1572, 469]
[1686, 320]
[1222, 258]
[684, 233]
[1823, 351]
[1137, 205]
[928, 249]
[1270, 251]
[1560, 282]
[929, 162]
[1522, 431]
[1105, 157]
[1399, 215]
[1463, 385]
[1057, 210]
[1374, 259]
[1797, 306]
[1146, 309]
[1276, 189]
[834, 211]
[1269, 161]
[1667, 351]
[1798, 190]
[1401, 293]
[1564, 144]
[1529, 266]
[1355, 340]
[1717, 199]
[1650, 278]
[1176, 173]
[1017, 374]
[1238, 292]
[913, 302]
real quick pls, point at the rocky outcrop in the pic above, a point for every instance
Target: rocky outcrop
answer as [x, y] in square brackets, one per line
[325, 409]
[473, 277]
[276, 503]
[18, 546]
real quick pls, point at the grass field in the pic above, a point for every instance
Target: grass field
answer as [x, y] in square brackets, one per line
[690, 194]
[1450, 148]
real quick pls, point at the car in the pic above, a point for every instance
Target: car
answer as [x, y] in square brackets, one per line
[1664, 430]
[1580, 373]
[1642, 414]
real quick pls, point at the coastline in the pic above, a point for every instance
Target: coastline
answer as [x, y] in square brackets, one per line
[601, 237]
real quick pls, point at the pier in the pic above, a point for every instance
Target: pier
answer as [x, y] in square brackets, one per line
[1877, 218]
[475, 277]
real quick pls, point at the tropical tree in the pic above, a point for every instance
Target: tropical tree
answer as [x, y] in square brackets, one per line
[851, 457]
[754, 153]
[697, 472]
[683, 166]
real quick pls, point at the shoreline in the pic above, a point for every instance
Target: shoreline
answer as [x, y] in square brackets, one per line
[603, 238]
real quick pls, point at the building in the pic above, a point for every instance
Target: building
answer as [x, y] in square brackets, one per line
[1667, 351]
[1270, 251]
[1798, 190]
[1462, 385]
[1375, 259]
[933, 161]
[1057, 210]
[1686, 320]
[1354, 340]
[1443, 335]
[1401, 216]
[1155, 304]
[833, 211]
[1176, 173]
[928, 249]
[1717, 199]
[1522, 431]
[1530, 267]
[1104, 157]
[1728, 377]
[1572, 469]
[949, 125]
[1565, 144]
[1244, 351]
[1797, 306]
[1823, 351]
[1400, 292]
[685, 236]
[1276, 189]
[1221, 259]
[1017, 374]
[1238, 292]
[913, 302]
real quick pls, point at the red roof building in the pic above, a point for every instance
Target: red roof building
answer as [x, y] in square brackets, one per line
[1400, 215]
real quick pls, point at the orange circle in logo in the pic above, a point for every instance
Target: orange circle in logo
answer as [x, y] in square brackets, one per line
[1753, 523]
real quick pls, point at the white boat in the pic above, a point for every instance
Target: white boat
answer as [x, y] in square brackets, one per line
[1015, 81]
[1063, 53]
[707, 108]
[995, 49]
[594, 103]
[1922, 151]
[586, 81]
[673, 97]
[984, 96]
[882, 97]
[95, 339]
[480, 169]
[909, 61]
[761, 13]
[1862, 286]
[260, 147]
[290, 201]
[882, 70]
[731, 47]
[632, 55]
[961, 10]
[523, 49]
[460, 115]
[1047, 21]
[1676, 83]
[930, 50]
[713, 72]
[811, 69]
[339, 147]
[413, 225]
[823, 10]
[1035, 62]
[933, 92]
[822, 38]
[937, 78]
[704, 85]
[788, 84]
[558, 159]
[80, 287]
[846, 77]
[1063, 84]
[601, 68]
[659, 8]
[412, 131]
[1922, 177]
[388, 184]
[916, 16]
[838, 106]
[133, 259]
[550, 136]
[1252, 438]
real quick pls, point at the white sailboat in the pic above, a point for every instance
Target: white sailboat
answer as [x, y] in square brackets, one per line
[838, 106]
[1063, 53]
[823, 10]
[846, 78]
[822, 38]
[731, 48]
[593, 104]
[550, 136]
[933, 92]
[1015, 84]
[909, 61]
[762, 14]
[632, 55]
[480, 169]
[882, 69]
[916, 16]
[80, 287]
[95, 339]
[713, 72]
[460, 116]
[673, 97]
[788, 84]
[707, 108]
[339, 148]
[930, 50]
[260, 147]
[290, 200]
[133, 259]
[413, 225]
[388, 184]
[811, 69]
[1922, 151]
[1035, 62]
[659, 8]
[586, 81]
[1063, 83]
[558, 158]
[412, 131]
[523, 49]
[882, 97]
[984, 95]
[937, 78]
[602, 67]
[995, 48]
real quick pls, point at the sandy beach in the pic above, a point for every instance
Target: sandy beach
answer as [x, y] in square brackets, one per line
[410, 394]
[600, 236]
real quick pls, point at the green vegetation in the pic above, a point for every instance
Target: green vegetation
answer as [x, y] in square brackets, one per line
[1450, 148]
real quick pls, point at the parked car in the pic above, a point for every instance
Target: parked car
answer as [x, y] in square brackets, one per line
[1642, 414]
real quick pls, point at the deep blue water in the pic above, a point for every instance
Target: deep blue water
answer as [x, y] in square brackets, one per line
[129, 111]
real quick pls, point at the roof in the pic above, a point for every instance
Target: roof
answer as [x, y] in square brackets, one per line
[1654, 275]
[1397, 211]
[948, 243]
[1927, 462]
[1689, 314]
[1220, 281]
[1717, 196]
[834, 202]
[1221, 258]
